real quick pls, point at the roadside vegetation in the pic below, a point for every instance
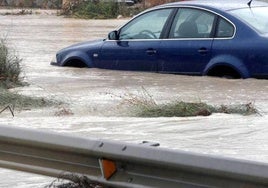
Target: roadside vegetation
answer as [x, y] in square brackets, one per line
[10, 77]
[187, 109]
[101, 10]
[144, 105]
[10, 68]
[73, 181]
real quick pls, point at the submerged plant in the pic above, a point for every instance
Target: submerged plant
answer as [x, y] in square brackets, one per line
[143, 105]
[75, 181]
[177, 109]
[20, 101]
[10, 67]
[244, 109]
[10, 70]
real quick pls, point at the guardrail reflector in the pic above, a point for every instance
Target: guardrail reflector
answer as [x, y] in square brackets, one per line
[108, 168]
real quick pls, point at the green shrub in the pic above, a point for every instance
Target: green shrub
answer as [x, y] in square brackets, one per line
[143, 105]
[177, 109]
[21, 101]
[10, 68]
[101, 10]
[187, 109]
[96, 10]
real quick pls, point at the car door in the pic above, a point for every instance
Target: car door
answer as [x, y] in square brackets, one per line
[188, 47]
[137, 44]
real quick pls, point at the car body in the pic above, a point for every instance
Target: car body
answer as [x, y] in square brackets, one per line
[205, 37]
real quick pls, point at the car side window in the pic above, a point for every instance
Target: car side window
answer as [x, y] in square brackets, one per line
[146, 26]
[224, 29]
[192, 23]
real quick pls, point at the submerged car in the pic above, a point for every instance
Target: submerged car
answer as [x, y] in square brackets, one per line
[214, 38]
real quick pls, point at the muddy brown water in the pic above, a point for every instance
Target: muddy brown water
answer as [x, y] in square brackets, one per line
[91, 95]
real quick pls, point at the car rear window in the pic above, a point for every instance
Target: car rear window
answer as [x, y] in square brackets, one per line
[192, 23]
[256, 17]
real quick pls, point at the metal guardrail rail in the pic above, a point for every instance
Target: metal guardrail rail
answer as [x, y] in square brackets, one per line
[117, 164]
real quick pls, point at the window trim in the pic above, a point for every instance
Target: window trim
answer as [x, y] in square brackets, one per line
[170, 20]
[211, 32]
[164, 30]
[214, 29]
[217, 23]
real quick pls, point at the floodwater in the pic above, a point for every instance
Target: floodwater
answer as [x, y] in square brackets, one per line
[93, 98]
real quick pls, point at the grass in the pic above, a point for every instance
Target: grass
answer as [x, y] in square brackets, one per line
[100, 10]
[10, 70]
[187, 109]
[143, 105]
[21, 101]
[176, 109]
[107, 9]
[13, 101]
[76, 181]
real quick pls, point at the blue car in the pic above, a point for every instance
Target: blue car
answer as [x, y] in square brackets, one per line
[214, 38]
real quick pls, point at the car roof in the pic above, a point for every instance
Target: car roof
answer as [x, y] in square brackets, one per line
[218, 4]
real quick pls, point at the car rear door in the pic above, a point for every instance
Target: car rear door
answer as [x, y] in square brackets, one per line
[188, 46]
[137, 45]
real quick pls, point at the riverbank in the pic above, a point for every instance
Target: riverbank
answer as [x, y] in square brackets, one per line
[25, 11]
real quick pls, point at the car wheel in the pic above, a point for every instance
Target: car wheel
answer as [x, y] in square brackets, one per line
[224, 72]
[75, 63]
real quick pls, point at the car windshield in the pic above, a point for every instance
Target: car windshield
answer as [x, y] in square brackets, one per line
[257, 17]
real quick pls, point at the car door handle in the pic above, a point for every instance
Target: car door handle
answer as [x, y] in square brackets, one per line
[151, 51]
[203, 51]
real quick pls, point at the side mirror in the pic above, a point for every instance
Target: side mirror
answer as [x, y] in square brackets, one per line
[113, 35]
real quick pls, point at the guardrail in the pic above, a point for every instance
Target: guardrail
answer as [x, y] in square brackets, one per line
[117, 164]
